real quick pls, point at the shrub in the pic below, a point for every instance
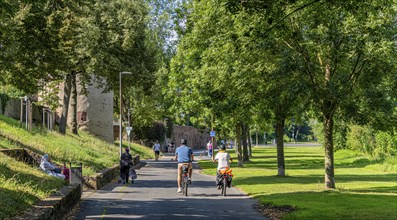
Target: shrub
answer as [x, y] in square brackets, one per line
[377, 144]
[386, 145]
[361, 138]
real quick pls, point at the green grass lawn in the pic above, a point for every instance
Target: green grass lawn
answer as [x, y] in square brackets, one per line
[365, 189]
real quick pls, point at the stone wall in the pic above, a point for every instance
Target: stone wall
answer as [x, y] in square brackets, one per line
[55, 206]
[13, 110]
[107, 175]
[195, 139]
[22, 155]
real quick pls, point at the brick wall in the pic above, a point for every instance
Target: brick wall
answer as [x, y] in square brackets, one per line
[195, 138]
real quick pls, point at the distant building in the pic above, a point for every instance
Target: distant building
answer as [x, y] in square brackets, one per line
[94, 111]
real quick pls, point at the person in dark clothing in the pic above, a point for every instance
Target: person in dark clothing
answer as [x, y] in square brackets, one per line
[125, 165]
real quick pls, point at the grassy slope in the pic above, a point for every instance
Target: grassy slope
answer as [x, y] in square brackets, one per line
[22, 185]
[365, 189]
[92, 152]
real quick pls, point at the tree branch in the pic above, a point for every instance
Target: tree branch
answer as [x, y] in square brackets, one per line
[286, 16]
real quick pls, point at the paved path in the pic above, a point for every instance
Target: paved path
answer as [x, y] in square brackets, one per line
[154, 196]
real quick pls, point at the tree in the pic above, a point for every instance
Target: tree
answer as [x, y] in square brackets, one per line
[60, 40]
[25, 49]
[340, 46]
[343, 45]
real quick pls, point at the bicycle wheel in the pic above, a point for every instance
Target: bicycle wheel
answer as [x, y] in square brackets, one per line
[224, 186]
[185, 185]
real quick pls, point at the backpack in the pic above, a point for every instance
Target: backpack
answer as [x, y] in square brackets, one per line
[66, 172]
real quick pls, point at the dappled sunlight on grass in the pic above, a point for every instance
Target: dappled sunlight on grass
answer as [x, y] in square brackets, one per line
[364, 189]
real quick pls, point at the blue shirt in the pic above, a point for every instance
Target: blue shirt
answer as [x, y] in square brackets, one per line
[184, 153]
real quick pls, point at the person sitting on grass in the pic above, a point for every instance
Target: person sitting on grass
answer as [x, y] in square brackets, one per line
[50, 168]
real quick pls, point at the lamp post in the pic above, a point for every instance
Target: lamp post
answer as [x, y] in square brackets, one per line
[129, 124]
[121, 114]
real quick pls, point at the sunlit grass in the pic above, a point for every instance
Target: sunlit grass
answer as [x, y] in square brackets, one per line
[366, 189]
[94, 153]
[22, 185]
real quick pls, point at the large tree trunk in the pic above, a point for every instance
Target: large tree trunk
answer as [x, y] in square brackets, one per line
[73, 104]
[249, 142]
[280, 145]
[238, 143]
[245, 146]
[329, 151]
[65, 104]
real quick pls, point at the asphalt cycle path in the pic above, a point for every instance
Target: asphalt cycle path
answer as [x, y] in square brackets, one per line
[154, 196]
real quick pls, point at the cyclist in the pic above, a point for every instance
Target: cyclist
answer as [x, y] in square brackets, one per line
[184, 156]
[224, 161]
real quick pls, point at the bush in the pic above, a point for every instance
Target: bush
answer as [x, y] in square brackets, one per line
[361, 138]
[377, 144]
[156, 131]
[386, 145]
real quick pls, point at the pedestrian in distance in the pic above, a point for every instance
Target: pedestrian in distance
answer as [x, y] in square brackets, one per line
[209, 148]
[156, 150]
[171, 147]
[125, 165]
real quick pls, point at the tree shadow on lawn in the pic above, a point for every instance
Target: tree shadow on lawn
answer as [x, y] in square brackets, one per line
[297, 164]
[335, 204]
[358, 163]
[382, 189]
[290, 163]
[12, 202]
[319, 179]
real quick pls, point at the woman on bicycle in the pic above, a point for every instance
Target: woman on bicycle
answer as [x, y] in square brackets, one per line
[224, 160]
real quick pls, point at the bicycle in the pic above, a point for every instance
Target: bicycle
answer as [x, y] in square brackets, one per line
[225, 179]
[185, 179]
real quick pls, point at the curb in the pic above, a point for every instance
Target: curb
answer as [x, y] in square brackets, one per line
[54, 206]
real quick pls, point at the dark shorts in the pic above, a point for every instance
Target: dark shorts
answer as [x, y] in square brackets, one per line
[157, 152]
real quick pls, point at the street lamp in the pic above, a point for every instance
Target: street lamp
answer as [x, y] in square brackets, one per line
[121, 114]
[130, 127]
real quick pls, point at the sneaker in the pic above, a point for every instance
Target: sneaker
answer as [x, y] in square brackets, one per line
[179, 190]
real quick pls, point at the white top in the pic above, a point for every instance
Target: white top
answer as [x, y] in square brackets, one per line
[156, 147]
[223, 160]
[48, 167]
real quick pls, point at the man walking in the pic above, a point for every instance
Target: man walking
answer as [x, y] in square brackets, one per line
[156, 150]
